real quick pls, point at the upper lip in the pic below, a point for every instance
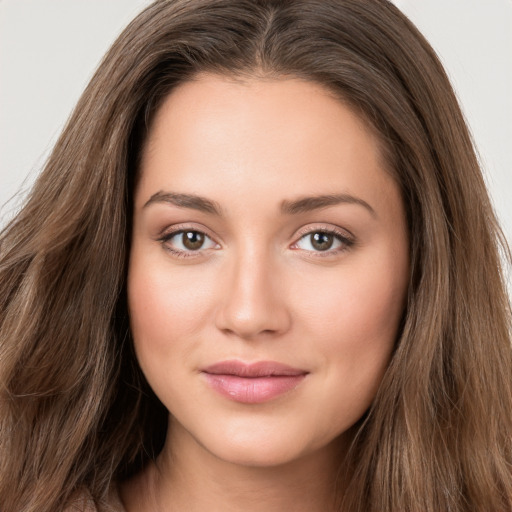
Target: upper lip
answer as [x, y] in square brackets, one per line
[252, 370]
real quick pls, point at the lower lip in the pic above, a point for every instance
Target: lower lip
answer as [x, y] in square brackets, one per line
[255, 390]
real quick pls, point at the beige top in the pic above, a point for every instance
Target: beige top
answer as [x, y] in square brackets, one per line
[85, 503]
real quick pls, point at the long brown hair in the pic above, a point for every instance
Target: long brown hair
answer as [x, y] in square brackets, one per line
[75, 411]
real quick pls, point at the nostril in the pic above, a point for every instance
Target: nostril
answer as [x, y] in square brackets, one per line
[255, 322]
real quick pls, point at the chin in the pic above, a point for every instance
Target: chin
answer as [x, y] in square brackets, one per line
[257, 456]
[265, 447]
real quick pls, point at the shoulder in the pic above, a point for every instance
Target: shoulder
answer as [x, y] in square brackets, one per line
[84, 502]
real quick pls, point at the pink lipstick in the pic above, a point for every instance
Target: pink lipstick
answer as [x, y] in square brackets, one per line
[252, 383]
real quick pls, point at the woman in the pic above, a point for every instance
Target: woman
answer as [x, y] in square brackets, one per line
[259, 270]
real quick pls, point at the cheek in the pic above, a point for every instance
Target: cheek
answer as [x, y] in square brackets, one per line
[356, 326]
[355, 321]
[356, 305]
[167, 310]
[164, 306]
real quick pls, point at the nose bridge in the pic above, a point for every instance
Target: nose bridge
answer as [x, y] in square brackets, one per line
[253, 303]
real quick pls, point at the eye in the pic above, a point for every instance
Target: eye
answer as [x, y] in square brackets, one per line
[323, 241]
[187, 241]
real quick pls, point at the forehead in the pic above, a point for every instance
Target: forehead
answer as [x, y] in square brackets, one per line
[252, 103]
[214, 134]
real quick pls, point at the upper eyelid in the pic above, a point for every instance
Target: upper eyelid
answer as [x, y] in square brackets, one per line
[319, 228]
[181, 228]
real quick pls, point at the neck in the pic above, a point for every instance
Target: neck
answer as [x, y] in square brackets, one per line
[188, 477]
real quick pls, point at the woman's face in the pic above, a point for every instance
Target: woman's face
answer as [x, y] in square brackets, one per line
[269, 267]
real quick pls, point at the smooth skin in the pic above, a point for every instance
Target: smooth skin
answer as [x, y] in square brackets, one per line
[266, 227]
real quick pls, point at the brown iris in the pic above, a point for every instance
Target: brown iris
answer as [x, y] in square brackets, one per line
[322, 241]
[192, 240]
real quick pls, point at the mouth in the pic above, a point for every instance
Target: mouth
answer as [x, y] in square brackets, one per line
[252, 383]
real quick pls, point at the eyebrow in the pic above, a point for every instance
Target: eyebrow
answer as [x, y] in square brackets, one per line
[186, 201]
[301, 205]
[307, 204]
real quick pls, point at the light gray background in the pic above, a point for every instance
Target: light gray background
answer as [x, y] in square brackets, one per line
[50, 48]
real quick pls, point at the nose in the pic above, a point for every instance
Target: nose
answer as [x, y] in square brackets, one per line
[254, 303]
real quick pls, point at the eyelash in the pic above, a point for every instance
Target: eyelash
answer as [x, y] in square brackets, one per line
[346, 241]
[166, 237]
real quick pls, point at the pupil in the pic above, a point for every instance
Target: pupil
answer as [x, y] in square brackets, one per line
[322, 241]
[193, 240]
